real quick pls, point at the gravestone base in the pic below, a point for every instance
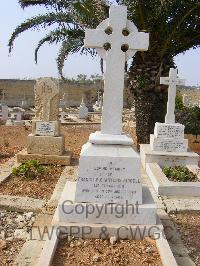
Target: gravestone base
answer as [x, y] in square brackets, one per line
[45, 145]
[114, 217]
[64, 159]
[168, 144]
[109, 174]
[104, 139]
[169, 138]
[164, 158]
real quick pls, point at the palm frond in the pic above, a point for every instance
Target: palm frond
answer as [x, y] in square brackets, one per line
[44, 21]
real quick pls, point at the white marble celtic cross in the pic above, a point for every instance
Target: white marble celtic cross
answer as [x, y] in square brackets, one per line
[172, 81]
[123, 40]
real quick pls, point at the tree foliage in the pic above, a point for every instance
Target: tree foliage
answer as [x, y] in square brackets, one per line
[173, 25]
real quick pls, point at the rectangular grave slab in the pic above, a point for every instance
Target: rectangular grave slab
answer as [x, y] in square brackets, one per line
[69, 211]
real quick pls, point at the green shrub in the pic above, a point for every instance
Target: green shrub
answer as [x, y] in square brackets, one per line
[31, 169]
[190, 117]
[179, 174]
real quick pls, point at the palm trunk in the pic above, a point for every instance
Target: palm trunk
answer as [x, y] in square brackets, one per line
[150, 97]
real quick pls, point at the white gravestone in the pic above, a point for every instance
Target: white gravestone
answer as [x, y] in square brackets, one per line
[169, 136]
[172, 81]
[110, 173]
[111, 127]
[83, 111]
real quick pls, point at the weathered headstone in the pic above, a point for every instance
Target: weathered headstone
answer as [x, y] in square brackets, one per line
[3, 112]
[109, 173]
[64, 102]
[169, 136]
[45, 143]
[83, 110]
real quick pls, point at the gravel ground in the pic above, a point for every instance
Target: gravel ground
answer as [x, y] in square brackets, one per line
[9, 251]
[188, 224]
[41, 187]
[14, 229]
[101, 252]
[13, 138]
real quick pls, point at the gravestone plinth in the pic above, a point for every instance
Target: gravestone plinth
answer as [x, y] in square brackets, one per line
[168, 147]
[109, 168]
[168, 138]
[46, 144]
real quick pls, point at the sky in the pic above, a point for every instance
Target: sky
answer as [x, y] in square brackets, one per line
[20, 64]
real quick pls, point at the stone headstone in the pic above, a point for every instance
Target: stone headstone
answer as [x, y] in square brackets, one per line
[47, 99]
[169, 136]
[4, 112]
[172, 81]
[83, 110]
[109, 173]
[45, 144]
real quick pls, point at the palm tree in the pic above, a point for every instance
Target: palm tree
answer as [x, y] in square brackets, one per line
[71, 19]
[174, 28]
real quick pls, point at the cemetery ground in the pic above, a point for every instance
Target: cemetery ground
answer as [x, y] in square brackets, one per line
[15, 224]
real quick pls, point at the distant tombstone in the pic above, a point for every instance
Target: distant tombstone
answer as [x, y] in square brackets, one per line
[64, 101]
[18, 116]
[169, 136]
[45, 144]
[83, 111]
[47, 99]
[4, 112]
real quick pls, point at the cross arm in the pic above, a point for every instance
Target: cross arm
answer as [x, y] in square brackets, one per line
[95, 38]
[164, 81]
[138, 41]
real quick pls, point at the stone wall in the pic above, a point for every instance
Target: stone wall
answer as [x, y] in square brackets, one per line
[192, 95]
[16, 90]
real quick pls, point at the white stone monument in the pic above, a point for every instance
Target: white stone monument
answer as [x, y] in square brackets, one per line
[46, 144]
[167, 145]
[83, 110]
[109, 168]
[169, 136]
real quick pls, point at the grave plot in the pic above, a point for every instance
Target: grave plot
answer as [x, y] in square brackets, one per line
[169, 148]
[188, 226]
[109, 173]
[102, 252]
[181, 181]
[12, 140]
[31, 182]
[14, 230]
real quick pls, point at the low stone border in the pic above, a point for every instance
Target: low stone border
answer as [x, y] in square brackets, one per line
[175, 243]
[6, 168]
[164, 187]
[21, 204]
